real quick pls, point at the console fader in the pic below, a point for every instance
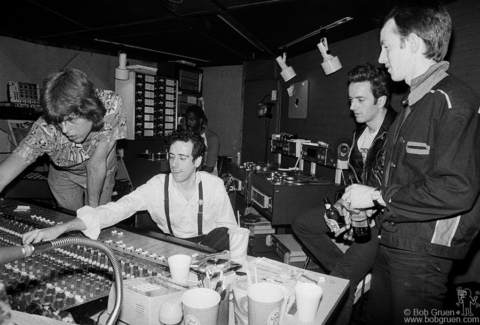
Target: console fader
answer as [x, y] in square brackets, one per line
[53, 282]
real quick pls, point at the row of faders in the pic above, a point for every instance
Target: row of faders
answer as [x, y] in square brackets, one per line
[52, 283]
[155, 106]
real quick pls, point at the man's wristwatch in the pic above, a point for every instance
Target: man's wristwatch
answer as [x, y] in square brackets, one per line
[376, 195]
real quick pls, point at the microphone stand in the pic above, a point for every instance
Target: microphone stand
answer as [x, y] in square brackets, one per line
[10, 254]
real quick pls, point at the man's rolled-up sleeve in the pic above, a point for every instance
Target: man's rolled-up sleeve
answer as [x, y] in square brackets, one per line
[89, 217]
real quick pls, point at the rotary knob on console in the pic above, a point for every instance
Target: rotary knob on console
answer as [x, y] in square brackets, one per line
[70, 299]
[48, 298]
[58, 304]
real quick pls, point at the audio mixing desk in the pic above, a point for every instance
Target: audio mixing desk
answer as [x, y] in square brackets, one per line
[68, 281]
[75, 281]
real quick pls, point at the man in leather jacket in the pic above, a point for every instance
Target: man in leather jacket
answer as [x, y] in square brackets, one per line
[369, 93]
[430, 193]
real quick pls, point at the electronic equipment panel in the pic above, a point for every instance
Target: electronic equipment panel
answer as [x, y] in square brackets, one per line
[167, 105]
[60, 280]
[280, 196]
[292, 148]
[239, 176]
[151, 104]
[22, 92]
[319, 154]
[190, 80]
[155, 106]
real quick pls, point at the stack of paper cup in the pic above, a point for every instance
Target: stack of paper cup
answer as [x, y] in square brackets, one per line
[238, 244]
[308, 296]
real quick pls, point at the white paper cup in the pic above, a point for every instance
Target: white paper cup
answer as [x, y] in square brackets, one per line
[238, 244]
[308, 296]
[264, 304]
[200, 306]
[179, 265]
[239, 287]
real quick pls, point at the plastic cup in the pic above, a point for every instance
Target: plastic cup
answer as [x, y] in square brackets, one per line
[200, 306]
[264, 304]
[308, 296]
[179, 265]
[239, 287]
[238, 244]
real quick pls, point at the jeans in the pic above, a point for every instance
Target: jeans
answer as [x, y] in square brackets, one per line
[70, 188]
[354, 265]
[405, 280]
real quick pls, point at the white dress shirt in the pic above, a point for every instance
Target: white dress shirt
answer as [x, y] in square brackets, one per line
[217, 209]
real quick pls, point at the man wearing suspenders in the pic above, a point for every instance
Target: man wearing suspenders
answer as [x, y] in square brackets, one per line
[186, 203]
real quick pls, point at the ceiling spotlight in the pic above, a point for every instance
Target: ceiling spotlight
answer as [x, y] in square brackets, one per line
[330, 63]
[287, 72]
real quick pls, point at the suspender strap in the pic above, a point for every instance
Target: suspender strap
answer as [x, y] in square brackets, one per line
[166, 204]
[167, 208]
[200, 208]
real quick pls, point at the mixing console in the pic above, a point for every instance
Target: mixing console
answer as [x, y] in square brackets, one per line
[53, 282]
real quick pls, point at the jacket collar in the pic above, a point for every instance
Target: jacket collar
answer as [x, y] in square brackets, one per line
[387, 121]
[424, 83]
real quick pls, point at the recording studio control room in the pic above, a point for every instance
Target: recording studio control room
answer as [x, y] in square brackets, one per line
[240, 162]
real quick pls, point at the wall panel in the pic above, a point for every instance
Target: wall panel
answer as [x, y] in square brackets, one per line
[222, 92]
[329, 117]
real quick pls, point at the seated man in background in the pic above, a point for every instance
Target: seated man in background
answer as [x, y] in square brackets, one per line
[185, 203]
[369, 93]
[197, 121]
[78, 130]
